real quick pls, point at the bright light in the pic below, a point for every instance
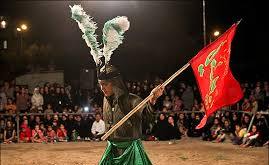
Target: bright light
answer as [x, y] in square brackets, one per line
[216, 33]
[3, 24]
[86, 109]
[86, 70]
[18, 29]
[24, 27]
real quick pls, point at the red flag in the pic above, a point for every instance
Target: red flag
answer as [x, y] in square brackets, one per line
[216, 83]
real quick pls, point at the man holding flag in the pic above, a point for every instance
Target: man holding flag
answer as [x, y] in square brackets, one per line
[211, 68]
[216, 83]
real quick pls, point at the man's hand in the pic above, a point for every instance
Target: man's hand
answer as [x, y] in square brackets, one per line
[157, 92]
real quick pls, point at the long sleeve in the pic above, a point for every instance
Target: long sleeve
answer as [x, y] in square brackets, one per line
[98, 127]
[102, 127]
[41, 100]
[33, 101]
[93, 130]
[254, 136]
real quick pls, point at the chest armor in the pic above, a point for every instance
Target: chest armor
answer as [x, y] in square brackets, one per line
[113, 113]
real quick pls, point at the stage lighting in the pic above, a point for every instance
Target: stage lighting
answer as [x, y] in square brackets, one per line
[86, 109]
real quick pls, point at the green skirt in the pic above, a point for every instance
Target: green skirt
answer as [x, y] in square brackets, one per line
[131, 153]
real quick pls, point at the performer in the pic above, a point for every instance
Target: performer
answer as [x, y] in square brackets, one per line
[124, 145]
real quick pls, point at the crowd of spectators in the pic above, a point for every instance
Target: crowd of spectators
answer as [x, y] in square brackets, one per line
[55, 113]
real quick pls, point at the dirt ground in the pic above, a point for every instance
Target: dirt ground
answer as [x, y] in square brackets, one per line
[183, 152]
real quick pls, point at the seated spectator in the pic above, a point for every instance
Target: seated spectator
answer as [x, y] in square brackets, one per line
[37, 101]
[78, 126]
[246, 106]
[49, 109]
[25, 134]
[32, 121]
[182, 124]
[235, 120]
[10, 106]
[261, 122]
[215, 130]
[2, 129]
[196, 106]
[62, 134]
[48, 120]
[98, 127]
[238, 134]
[51, 135]
[246, 120]
[43, 129]
[38, 121]
[74, 136]
[222, 119]
[159, 129]
[86, 125]
[192, 131]
[55, 123]
[37, 135]
[70, 125]
[224, 132]
[251, 138]
[64, 120]
[172, 129]
[9, 133]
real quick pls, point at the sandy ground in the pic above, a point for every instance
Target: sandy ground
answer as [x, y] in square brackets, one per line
[183, 152]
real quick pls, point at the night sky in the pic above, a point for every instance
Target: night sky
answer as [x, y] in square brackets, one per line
[163, 35]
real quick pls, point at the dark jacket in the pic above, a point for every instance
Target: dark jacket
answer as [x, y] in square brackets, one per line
[117, 106]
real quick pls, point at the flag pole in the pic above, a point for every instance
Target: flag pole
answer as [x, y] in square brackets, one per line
[141, 104]
[204, 23]
[251, 122]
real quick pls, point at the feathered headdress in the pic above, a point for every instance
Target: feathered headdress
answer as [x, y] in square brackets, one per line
[112, 34]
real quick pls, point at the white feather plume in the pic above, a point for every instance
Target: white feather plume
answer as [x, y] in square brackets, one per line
[113, 35]
[88, 27]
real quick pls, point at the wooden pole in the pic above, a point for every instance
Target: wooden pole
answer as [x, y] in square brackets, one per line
[251, 122]
[140, 105]
[204, 23]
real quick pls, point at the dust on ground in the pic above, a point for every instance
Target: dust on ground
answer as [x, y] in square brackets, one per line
[183, 152]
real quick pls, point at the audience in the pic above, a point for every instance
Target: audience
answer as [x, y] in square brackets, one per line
[178, 111]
